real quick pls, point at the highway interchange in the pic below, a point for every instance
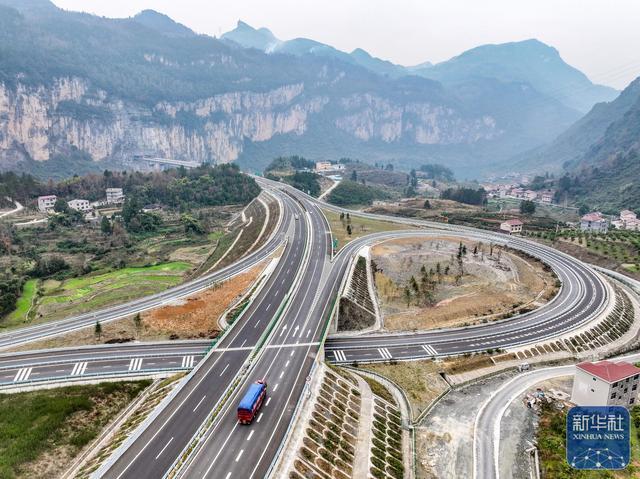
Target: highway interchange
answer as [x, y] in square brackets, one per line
[277, 338]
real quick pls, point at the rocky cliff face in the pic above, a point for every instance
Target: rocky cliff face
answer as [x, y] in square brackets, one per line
[33, 126]
[38, 122]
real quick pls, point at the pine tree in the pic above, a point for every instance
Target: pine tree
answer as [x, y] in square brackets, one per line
[137, 323]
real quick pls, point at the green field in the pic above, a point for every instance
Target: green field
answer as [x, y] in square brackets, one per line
[88, 292]
[58, 299]
[60, 420]
[24, 302]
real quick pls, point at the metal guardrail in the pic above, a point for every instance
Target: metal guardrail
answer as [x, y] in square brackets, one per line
[103, 358]
[89, 376]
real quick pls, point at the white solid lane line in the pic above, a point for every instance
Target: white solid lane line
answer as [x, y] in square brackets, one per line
[165, 446]
[206, 473]
[199, 402]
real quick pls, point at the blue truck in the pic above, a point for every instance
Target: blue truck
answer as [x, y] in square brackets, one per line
[252, 401]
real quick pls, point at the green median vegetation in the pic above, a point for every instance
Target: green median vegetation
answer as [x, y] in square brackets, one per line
[58, 423]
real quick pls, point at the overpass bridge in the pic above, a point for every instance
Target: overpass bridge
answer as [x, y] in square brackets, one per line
[158, 162]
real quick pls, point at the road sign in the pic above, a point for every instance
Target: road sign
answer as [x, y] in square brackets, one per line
[598, 437]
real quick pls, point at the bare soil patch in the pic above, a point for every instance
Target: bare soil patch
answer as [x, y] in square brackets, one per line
[495, 283]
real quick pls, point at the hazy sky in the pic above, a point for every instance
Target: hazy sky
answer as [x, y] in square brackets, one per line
[601, 38]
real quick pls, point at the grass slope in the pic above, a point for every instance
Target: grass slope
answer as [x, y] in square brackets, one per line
[24, 302]
[39, 422]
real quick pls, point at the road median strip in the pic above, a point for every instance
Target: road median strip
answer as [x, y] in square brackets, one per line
[199, 438]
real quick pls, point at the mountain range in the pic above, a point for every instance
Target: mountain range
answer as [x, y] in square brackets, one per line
[529, 61]
[600, 152]
[80, 92]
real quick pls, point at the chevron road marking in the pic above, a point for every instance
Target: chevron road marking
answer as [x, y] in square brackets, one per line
[22, 374]
[384, 352]
[79, 369]
[187, 361]
[430, 350]
[135, 364]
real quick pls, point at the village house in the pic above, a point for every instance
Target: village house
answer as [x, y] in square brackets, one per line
[530, 195]
[323, 166]
[80, 205]
[547, 197]
[628, 221]
[605, 383]
[517, 192]
[46, 203]
[114, 196]
[594, 223]
[512, 226]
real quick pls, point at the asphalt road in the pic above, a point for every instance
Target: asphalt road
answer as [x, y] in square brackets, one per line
[20, 369]
[229, 449]
[486, 438]
[232, 450]
[582, 297]
[156, 449]
[41, 331]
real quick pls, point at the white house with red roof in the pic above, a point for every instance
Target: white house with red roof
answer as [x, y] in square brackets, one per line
[594, 223]
[605, 383]
[512, 226]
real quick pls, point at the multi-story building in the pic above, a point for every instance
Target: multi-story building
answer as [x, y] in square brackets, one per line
[605, 383]
[323, 166]
[114, 196]
[80, 205]
[547, 197]
[512, 226]
[517, 192]
[45, 203]
[628, 221]
[594, 223]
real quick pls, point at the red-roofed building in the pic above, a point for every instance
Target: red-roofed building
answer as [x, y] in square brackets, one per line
[605, 383]
[511, 226]
[594, 223]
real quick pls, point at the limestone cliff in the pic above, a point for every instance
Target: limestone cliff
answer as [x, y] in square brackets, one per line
[38, 122]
